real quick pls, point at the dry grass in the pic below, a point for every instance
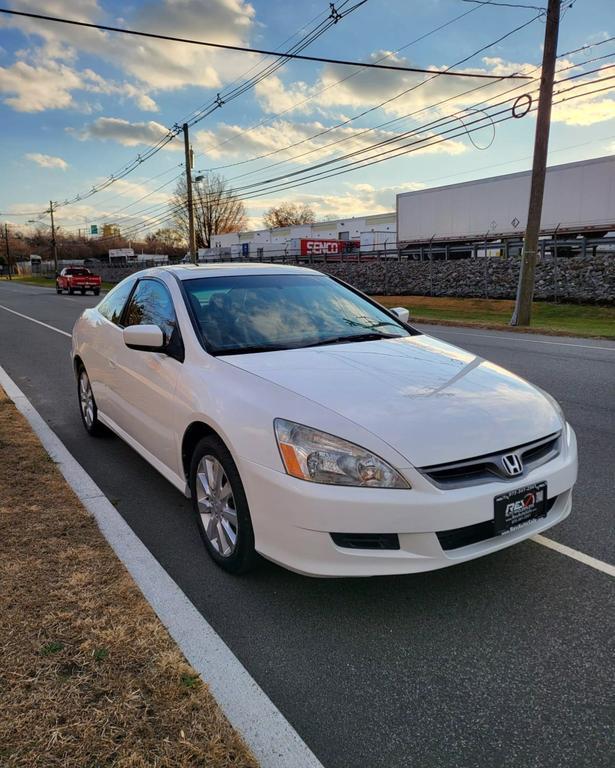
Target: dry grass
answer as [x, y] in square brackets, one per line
[89, 677]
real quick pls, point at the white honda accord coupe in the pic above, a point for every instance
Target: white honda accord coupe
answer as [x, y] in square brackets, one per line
[315, 427]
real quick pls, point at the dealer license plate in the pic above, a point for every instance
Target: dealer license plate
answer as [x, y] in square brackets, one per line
[519, 507]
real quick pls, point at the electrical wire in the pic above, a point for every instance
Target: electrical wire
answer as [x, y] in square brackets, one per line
[404, 92]
[240, 48]
[397, 151]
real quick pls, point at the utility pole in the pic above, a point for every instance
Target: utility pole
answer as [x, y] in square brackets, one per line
[8, 252]
[54, 245]
[191, 235]
[525, 290]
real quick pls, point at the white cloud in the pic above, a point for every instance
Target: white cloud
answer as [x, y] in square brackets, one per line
[232, 141]
[47, 161]
[124, 132]
[580, 107]
[154, 64]
[352, 200]
[339, 87]
[42, 83]
[36, 88]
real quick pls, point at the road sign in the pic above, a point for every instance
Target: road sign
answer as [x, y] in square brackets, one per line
[94, 229]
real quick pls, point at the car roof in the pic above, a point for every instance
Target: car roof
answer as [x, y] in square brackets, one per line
[191, 271]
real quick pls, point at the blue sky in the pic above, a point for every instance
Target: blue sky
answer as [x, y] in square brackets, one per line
[76, 105]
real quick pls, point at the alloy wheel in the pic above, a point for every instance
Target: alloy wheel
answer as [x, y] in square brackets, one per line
[217, 506]
[86, 399]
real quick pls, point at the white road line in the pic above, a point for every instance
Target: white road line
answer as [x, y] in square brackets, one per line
[598, 565]
[34, 320]
[272, 739]
[518, 337]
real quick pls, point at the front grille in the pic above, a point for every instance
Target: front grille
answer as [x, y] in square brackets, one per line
[485, 469]
[472, 534]
[366, 540]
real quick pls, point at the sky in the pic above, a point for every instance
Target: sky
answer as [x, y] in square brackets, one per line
[78, 105]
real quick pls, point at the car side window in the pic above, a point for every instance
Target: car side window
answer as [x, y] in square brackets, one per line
[112, 305]
[151, 304]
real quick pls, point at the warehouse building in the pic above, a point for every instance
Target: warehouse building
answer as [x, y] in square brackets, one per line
[367, 233]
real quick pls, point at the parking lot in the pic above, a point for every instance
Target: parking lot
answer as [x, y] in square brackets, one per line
[504, 661]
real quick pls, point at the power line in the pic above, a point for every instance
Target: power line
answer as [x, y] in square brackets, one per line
[245, 49]
[405, 92]
[365, 162]
[420, 143]
[272, 117]
[335, 15]
[371, 129]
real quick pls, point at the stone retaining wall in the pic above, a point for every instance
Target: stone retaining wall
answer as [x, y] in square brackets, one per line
[583, 279]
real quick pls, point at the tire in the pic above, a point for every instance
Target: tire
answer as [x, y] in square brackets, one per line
[58, 289]
[71, 291]
[87, 408]
[83, 291]
[96, 291]
[228, 514]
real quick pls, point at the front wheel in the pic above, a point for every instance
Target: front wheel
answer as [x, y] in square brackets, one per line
[58, 289]
[221, 508]
[87, 405]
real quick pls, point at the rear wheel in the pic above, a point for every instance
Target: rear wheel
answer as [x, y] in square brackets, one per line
[220, 504]
[96, 291]
[83, 291]
[87, 405]
[71, 291]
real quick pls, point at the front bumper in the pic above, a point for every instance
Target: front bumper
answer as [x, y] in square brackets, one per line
[293, 519]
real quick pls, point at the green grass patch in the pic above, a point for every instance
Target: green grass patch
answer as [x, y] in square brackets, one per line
[51, 648]
[586, 320]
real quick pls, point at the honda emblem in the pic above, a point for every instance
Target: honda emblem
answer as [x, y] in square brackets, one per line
[512, 464]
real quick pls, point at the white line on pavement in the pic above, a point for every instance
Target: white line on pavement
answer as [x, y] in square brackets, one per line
[272, 739]
[518, 337]
[34, 320]
[599, 565]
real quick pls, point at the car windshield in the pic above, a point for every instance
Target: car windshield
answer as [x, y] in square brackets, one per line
[259, 313]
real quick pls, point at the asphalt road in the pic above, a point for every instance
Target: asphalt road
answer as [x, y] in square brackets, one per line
[504, 661]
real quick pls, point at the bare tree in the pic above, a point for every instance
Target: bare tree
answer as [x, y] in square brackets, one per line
[287, 214]
[216, 209]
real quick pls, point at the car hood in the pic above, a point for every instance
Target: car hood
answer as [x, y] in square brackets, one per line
[430, 401]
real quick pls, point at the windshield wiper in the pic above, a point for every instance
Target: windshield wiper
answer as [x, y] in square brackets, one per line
[355, 337]
[250, 350]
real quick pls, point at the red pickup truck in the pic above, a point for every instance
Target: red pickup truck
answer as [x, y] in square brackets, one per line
[73, 279]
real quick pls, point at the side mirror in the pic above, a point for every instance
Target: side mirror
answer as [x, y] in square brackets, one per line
[402, 313]
[148, 338]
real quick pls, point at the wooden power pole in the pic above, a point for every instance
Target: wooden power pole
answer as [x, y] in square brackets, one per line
[525, 290]
[54, 244]
[191, 235]
[8, 250]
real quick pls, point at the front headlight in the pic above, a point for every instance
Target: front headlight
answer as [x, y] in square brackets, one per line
[322, 458]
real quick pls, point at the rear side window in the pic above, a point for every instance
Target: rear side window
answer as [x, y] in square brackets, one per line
[151, 304]
[112, 305]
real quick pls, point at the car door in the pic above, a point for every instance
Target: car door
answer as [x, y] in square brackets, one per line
[144, 382]
[103, 344]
